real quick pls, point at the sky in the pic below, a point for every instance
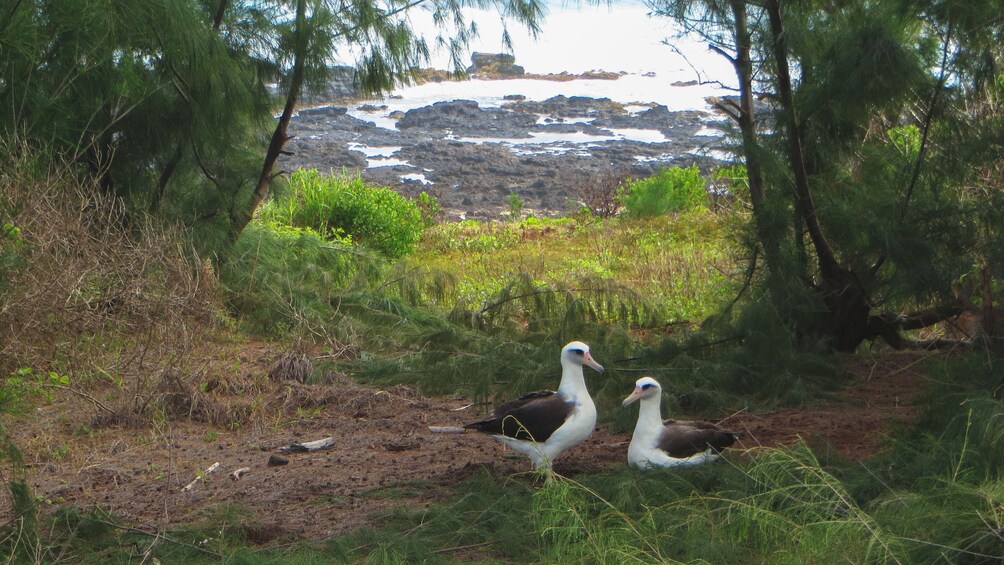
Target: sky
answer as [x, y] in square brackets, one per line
[578, 37]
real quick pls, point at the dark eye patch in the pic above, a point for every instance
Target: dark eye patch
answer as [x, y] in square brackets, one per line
[647, 386]
[577, 351]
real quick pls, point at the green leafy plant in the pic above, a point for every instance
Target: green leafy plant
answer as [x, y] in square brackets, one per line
[344, 207]
[515, 206]
[430, 208]
[670, 190]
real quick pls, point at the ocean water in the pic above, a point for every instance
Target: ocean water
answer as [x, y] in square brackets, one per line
[657, 65]
[578, 37]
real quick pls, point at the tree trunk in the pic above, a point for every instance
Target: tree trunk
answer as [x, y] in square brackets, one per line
[165, 178]
[847, 302]
[241, 218]
[220, 11]
[746, 119]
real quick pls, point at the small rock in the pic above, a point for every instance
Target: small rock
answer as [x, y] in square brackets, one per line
[276, 460]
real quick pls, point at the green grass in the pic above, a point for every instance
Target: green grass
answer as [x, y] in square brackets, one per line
[679, 264]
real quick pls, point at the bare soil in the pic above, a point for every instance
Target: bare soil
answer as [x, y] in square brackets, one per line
[384, 453]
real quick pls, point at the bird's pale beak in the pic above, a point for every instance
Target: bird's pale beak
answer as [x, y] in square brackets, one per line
[587, 359]
[634, 396]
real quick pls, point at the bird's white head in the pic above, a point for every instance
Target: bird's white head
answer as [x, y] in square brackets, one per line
[577, 353]
[645, 387]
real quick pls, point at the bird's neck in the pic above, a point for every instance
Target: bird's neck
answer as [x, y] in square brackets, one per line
[573, 382]
[649, 413]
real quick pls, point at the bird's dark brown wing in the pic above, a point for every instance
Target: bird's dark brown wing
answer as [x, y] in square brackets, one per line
[683, 439]
[691, 423]
[532, 416]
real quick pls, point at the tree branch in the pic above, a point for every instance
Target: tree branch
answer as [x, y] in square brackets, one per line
[722, 52]
[928, 118]
[827, 262]
[220, 10]
[929, 317]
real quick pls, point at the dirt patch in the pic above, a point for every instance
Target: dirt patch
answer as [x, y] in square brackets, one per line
[857, 422]
[384, 454]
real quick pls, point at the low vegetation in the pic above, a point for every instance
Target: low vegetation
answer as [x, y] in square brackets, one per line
[652, 288]
[143, 217]
[342, 207]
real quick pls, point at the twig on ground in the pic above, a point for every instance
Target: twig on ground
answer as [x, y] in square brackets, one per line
[208, 471]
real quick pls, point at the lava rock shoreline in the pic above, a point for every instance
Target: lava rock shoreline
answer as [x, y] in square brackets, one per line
[473, 158]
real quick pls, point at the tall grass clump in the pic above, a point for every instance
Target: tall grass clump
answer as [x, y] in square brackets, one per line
[780, 507]
[279, 277]
[941, 487]
[346, 207]
[673, 189]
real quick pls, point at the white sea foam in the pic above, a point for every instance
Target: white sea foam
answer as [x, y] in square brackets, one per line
[374, 150]
[659, 68]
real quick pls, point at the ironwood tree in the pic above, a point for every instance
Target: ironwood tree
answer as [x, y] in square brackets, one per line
[872, 143]
[172, 106]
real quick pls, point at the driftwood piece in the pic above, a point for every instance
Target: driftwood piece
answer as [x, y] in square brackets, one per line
[447, 430]
[240, 473]
[212, 468]
[309, 445]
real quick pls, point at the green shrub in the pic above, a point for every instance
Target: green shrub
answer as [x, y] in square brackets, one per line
[343, 206]
[732, 181]
[515, 206]
[279, 276]
[430, 209]
[669, 190]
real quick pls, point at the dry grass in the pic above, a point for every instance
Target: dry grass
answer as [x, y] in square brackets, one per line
[122, 305]
[90, 269]
[117, 302]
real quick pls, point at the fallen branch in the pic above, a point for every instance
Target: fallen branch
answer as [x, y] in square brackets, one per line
[212, 468]
[462, 547]
[97, 403]
[309, 446]
[447, 430]
[240, 473]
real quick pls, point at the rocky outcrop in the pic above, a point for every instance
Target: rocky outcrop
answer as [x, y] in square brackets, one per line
[494, 65]
[464, 117]
[549, 174]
